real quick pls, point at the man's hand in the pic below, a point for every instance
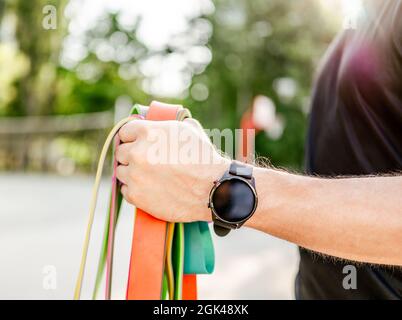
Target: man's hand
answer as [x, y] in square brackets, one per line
[167, 168]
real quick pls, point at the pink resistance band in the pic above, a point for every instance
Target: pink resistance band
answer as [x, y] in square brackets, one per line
[112, 219]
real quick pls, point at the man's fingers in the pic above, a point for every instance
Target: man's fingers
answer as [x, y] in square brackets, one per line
[128, 194]
[122, 173]
[131, 131]
[123, 153]
[124, 191]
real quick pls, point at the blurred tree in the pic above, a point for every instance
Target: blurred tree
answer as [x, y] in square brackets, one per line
[96, 81]
[2, 7]
[242, 49]
[13, 65]
[120, 64]
[254, 45]
[36, 89]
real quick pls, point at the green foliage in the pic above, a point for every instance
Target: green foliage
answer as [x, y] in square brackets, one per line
[94, 85]
[253, 44]
[36, 91]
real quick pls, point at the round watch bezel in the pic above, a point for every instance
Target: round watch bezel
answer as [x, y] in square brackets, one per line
[216, 186]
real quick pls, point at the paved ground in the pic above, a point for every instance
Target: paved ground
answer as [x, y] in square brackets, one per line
[42, 222]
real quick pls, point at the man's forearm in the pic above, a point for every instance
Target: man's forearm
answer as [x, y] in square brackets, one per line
[353, 218]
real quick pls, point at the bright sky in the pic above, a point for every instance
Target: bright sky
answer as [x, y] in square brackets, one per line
[350, 9]
[161, 19]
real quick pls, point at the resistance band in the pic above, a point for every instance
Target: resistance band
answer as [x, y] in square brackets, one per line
[165, 256]
[92, 207]
[151, 235]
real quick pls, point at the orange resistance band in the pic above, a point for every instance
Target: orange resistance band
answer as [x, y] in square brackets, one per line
[149, 240]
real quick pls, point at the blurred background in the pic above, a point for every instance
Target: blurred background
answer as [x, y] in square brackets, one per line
[70, 68]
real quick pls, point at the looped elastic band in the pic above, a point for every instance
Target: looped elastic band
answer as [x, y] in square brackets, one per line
[165, 256]
[154, 239]
[92, 207]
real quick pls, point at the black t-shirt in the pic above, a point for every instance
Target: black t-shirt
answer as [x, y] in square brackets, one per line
[356, 129]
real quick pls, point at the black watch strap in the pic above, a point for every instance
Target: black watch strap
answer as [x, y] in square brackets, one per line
[220, 230]
[241, 170]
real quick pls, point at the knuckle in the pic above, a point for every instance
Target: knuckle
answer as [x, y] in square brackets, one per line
[133, 154]
[124, 131]
[119, 152]
[132, 176]
[137, 153]
[132, 196]
[142, 130]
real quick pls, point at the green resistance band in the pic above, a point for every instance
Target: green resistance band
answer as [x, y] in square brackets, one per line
[193, 251]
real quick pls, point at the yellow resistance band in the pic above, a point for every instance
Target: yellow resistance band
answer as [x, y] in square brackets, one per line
[95, 190]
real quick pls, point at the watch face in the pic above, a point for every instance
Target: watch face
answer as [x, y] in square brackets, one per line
[233, 200]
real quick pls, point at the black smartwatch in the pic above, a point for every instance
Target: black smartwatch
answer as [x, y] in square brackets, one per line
[233, 198]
